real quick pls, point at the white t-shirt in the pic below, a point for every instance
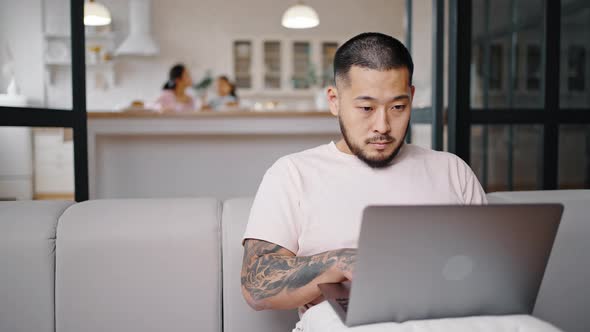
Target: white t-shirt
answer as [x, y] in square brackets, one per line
[312, 201]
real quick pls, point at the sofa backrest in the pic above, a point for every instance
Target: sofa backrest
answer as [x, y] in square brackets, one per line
[27, 262]
[139, 265]
[564, 297]
[237, 315]
[154, 265]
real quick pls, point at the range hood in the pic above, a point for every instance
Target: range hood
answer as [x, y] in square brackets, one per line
[139, 41]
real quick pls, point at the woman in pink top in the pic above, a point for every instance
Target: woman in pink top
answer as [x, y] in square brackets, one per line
[173, 97]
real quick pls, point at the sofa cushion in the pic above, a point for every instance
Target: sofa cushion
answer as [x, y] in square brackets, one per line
[139, 265]
[237, 315]
[27, 262]
[564, 297]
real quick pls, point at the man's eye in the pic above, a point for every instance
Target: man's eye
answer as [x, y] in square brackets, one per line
[365, 108]
[399, 107]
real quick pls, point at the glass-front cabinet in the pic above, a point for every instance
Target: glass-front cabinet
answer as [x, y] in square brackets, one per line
[282, 65]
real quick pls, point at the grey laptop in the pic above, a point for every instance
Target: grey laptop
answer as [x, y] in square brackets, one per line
[427, 262]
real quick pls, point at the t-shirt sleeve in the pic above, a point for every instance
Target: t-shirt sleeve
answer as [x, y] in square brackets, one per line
[275, 215]
[472, 191]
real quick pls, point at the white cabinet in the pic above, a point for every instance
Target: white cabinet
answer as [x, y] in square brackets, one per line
[242, 58]
[16, 169]
[282, 66]
[54, 162]
[272, 64]
[99, 55]
[16, 156]
[303, 75]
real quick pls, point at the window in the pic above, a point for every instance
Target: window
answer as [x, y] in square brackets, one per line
[533, 68]
[496, 66]
[576, 68]
[574, 156]
[507, 157]
[516, 76]
[538, 137]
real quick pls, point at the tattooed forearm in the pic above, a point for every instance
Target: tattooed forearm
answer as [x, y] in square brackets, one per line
[269, 269]
[346, 261]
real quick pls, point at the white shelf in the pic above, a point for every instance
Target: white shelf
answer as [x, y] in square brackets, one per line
[105, 68]
[58, 49]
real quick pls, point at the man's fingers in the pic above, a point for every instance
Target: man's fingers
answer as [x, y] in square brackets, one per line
[348, 275]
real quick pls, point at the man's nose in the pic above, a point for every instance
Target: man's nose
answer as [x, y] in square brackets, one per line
[381, 124]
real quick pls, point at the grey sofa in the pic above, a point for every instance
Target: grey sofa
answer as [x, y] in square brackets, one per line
[173, 265]
[564, 297]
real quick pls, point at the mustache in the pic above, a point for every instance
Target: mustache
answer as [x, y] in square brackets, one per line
[380, 138]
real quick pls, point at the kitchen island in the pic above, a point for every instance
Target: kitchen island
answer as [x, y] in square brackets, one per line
[141, 154]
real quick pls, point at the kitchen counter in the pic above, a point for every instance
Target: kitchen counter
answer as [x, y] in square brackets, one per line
[138, 153]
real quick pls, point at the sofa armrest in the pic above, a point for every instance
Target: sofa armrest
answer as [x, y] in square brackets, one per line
[27, 263]
[564, 297]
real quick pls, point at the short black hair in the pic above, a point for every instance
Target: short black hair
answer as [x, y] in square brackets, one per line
[371, 50]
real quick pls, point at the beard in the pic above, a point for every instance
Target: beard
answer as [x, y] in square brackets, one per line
[360, 153]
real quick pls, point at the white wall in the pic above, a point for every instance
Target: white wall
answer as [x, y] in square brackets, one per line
[422, 51]
[20, 27]
[2, 53]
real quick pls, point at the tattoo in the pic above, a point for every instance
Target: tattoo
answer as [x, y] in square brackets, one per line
[268, 269]
[347, 259]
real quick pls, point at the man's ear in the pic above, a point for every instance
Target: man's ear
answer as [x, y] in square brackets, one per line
[332, 95]
[412, 90]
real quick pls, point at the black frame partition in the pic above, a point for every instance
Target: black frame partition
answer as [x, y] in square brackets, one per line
[459, 120]
[462, 116]
[438, 33]
[75, 118]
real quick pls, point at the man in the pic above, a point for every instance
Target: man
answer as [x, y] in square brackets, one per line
[305, 220]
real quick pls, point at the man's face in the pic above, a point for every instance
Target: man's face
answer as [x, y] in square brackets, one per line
[373, 109]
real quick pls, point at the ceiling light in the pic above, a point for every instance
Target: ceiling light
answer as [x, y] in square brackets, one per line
[300, 16]
[96, 14]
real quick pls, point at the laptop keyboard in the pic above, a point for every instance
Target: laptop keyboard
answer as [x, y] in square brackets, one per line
[343, 302]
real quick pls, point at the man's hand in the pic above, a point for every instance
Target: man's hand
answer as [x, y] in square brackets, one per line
[346, 260]
[274, 278]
